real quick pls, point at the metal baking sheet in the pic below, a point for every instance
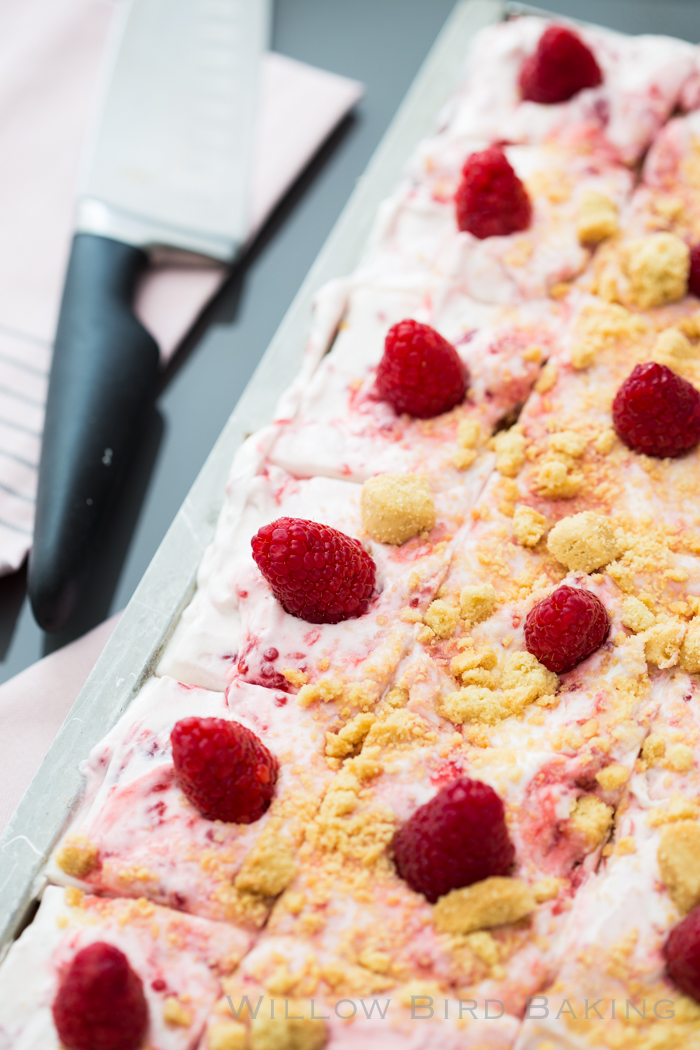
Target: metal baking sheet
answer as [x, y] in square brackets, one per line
[150, 617]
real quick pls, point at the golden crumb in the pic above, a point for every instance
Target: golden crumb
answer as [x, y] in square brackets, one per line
[546, 889]
[657, 266]
[468, 433]
[679, 808]
[78, 856]
[679, 758]
[636, 616]
[557, 479]
[613, 776]
[679, 863]
[653, 749]
[591, 818]
[510, 452]
[689, 657]
[269, 867]
[463, 458]
[227, 1035]
[477, 602]
[347, 739]
[626, 846]
[73, 897]
[597, 218]
[483, 905]
[325, 690]
[662, 643]
[489, 697]
[547, 378]
[605, 441]
[174, 1013]
[294, 677]
[584, 541]
[396, 507]
[296, 1032]
[442, 618]
[529, 525]
[672, 348]
[568, 442]
[602, 326]
[532, 354]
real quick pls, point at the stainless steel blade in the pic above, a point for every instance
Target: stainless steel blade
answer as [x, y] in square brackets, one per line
[170, 160]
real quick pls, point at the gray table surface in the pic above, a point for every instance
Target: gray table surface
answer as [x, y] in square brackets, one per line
[381, 43]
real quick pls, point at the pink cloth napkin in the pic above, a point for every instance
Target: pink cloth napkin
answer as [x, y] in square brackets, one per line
[33, 706]
[50, 52]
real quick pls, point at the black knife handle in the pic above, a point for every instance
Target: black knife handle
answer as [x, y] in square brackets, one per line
[103, 376]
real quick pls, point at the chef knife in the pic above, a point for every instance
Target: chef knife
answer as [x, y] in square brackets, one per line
[168, 168]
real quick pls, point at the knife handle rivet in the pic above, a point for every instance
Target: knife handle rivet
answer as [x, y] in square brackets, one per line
[107, 457]
[88, 501]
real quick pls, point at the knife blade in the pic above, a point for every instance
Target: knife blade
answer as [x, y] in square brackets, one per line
[167, 169]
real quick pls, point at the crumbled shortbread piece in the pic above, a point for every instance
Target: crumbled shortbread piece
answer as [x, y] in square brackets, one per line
[679, 808]
[523, 680]
[547, 378]
[603, 444]
[657, 266]
[175, 1013]
[524, 674]
[475, 667]
[613, 776]
[636, 616]
[269, 867]
[325, 690]
[529, 525]
[546, 889]
[463, 458]
[78, 856]
[344, 742]
[442, 618]
[493, 902]
[679, 758]
[296, 1031]
[477, 602]
[396, 507]
[584, 542]
[653, 748]
[294, 676]
[569, 443]
[555, 479]
[227, 1035]
[672, 348]
[662, 643]
[597, 218]
[591, 818]
[679, 863]
[510, 452]
[689, 657]
[468, 433]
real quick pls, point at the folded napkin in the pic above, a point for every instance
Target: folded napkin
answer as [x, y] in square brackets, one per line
[33, 706]
[50, 53]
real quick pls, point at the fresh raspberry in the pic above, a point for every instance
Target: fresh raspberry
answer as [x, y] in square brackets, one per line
[100, 1003]
[457, 838]
[316, 573]
[682, 952]
[561, 66]
[657, 413]
[223, 768]
[420, 372]
[694, 275]
[491, 200]
[565, 628]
